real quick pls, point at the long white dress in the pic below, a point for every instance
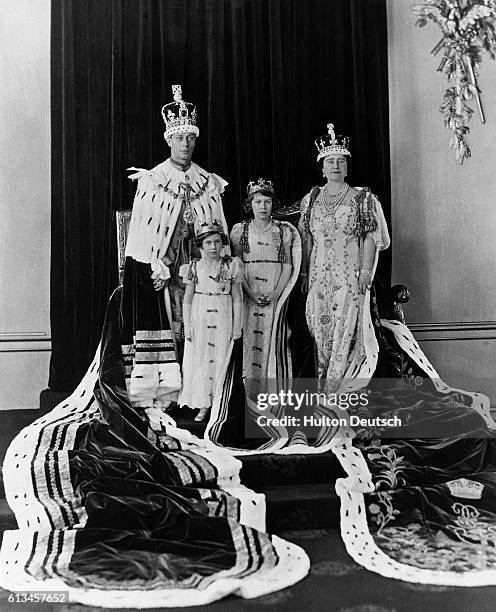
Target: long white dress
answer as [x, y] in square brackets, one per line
[211, 330]
[334, 302]
[262, 268]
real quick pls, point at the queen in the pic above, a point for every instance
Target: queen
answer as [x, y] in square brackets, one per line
[342, 229]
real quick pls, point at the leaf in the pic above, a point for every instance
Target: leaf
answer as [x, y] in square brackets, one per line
[469, 27]
[475, 14]
[374, 457]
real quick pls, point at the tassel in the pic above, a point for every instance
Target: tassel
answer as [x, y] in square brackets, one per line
[366, 221]
[305, 219]
[244, 242]
[223, 274]
[192, 273]
[281, 256]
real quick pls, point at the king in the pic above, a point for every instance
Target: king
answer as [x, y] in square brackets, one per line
[170, 200]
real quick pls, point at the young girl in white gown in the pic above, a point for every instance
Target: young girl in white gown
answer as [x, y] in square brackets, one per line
[212, 312]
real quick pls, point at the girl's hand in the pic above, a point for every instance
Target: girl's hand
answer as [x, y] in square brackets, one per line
[271, 297]
[254, 297]
[258, 298]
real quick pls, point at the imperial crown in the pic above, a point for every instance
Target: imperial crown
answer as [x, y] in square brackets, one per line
[179, 116]
[331, 143]
[208, 227]
[259, 185]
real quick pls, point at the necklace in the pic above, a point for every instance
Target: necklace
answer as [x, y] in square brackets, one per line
[333, 202]
[338, 193]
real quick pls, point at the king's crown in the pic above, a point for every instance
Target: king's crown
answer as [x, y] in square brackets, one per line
[179, 116]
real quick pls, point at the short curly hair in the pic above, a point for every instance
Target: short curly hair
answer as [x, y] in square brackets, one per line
[247, 208]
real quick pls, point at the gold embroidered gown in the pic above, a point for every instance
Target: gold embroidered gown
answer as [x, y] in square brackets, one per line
[334, 301]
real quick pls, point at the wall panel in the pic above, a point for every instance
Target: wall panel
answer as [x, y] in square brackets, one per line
[24, 201]
[443, 214]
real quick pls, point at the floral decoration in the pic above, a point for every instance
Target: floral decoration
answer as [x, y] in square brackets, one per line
[468, 29]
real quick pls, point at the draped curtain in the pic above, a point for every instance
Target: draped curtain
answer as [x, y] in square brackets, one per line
[266, 76]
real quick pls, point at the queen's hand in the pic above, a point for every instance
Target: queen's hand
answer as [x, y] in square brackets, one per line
[364, 280]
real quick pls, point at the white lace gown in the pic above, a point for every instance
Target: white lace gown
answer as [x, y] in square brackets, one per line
[334, 300]
[211, 333]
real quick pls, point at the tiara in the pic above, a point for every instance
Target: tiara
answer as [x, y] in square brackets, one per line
[179, 116]
[330, 143]
[207, 227]
[259, 185]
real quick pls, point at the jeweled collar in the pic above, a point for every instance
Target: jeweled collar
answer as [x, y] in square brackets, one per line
[180, 167]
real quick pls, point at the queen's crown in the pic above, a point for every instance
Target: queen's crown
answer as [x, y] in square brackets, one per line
[332, 143]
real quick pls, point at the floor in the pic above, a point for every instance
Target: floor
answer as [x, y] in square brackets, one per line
[335, 582]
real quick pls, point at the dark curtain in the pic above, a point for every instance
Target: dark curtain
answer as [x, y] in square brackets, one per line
[266, 76]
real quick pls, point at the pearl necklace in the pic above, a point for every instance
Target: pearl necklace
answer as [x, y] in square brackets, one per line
[333, 202]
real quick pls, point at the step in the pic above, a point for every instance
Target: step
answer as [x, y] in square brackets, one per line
[268, 470]
[313, 506]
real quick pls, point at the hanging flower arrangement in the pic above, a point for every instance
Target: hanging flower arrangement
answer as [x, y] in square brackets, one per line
[468, 28]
